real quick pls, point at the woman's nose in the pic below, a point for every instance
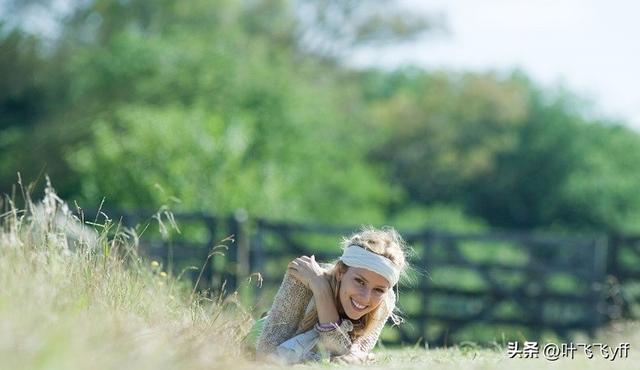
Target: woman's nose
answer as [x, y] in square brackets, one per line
[366, 295]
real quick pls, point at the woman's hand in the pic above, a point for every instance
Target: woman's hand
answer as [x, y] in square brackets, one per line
[307, 271]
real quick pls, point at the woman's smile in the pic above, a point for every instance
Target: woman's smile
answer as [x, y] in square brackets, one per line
[357, 306]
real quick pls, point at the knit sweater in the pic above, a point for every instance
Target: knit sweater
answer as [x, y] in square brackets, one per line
[288, 310]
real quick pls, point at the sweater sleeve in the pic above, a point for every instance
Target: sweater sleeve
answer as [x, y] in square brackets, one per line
[285, 315]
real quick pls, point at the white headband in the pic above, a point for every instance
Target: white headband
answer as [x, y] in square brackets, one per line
[355, 256]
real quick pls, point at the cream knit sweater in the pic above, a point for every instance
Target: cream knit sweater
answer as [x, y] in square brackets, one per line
[288, 310]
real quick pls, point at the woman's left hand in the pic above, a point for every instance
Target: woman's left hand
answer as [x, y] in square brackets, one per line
[307, 271]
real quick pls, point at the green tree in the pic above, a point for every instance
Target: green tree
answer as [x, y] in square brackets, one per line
[249, 128]
[445, 130]
[504, 150]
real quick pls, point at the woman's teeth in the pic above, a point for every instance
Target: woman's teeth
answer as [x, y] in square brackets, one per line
[358, 306]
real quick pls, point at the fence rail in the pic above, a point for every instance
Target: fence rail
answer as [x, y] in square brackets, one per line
[529, 285]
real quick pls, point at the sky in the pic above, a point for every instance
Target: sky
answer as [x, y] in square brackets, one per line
[591, 47]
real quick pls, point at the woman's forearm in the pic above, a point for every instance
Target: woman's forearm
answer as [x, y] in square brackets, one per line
[325, 305]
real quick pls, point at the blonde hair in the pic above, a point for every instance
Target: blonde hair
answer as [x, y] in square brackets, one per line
[385, 242]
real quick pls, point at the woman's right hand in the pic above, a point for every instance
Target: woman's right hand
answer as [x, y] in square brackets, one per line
[306, 270]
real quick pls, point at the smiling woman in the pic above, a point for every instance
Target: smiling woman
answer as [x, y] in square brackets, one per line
[338, 310]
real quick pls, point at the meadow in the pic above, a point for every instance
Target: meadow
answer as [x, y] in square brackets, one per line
[75, 294]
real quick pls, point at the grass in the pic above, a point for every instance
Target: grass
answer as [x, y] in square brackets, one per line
[74, 297]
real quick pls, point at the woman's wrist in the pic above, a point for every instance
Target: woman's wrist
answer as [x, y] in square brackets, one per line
[325, 301]
[319, 285]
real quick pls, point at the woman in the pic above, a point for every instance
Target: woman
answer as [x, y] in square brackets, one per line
[339, 311]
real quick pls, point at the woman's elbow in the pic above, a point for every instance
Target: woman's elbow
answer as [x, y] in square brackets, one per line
[264, 348]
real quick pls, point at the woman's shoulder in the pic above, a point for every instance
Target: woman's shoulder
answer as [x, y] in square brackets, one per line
[291, 294]
[291, 285]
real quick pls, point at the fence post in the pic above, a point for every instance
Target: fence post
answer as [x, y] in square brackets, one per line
[209, 272]
[615, 274]
[232, 268]
[242, 245]
[613, 241]
[256, 250]
[598, 280]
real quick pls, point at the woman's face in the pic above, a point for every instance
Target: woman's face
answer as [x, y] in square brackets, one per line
[361, 291]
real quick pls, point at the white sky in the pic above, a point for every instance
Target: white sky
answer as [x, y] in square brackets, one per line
[592, 47]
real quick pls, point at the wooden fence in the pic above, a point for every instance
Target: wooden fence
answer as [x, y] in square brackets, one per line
[481, 287]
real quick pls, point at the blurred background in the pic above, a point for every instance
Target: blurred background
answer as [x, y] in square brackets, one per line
[451, 116]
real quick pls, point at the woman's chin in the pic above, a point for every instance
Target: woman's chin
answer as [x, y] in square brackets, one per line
[354, 315]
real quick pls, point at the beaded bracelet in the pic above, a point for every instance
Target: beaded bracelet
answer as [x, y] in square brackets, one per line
[323, 328]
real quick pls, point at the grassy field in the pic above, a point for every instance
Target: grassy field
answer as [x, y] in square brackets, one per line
[73, 298]
[77, 297]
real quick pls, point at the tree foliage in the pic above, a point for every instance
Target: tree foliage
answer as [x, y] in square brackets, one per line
[505, 151]
[227, 105]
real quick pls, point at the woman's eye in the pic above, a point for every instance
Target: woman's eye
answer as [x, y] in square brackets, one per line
[360, 281]
[380, 290]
